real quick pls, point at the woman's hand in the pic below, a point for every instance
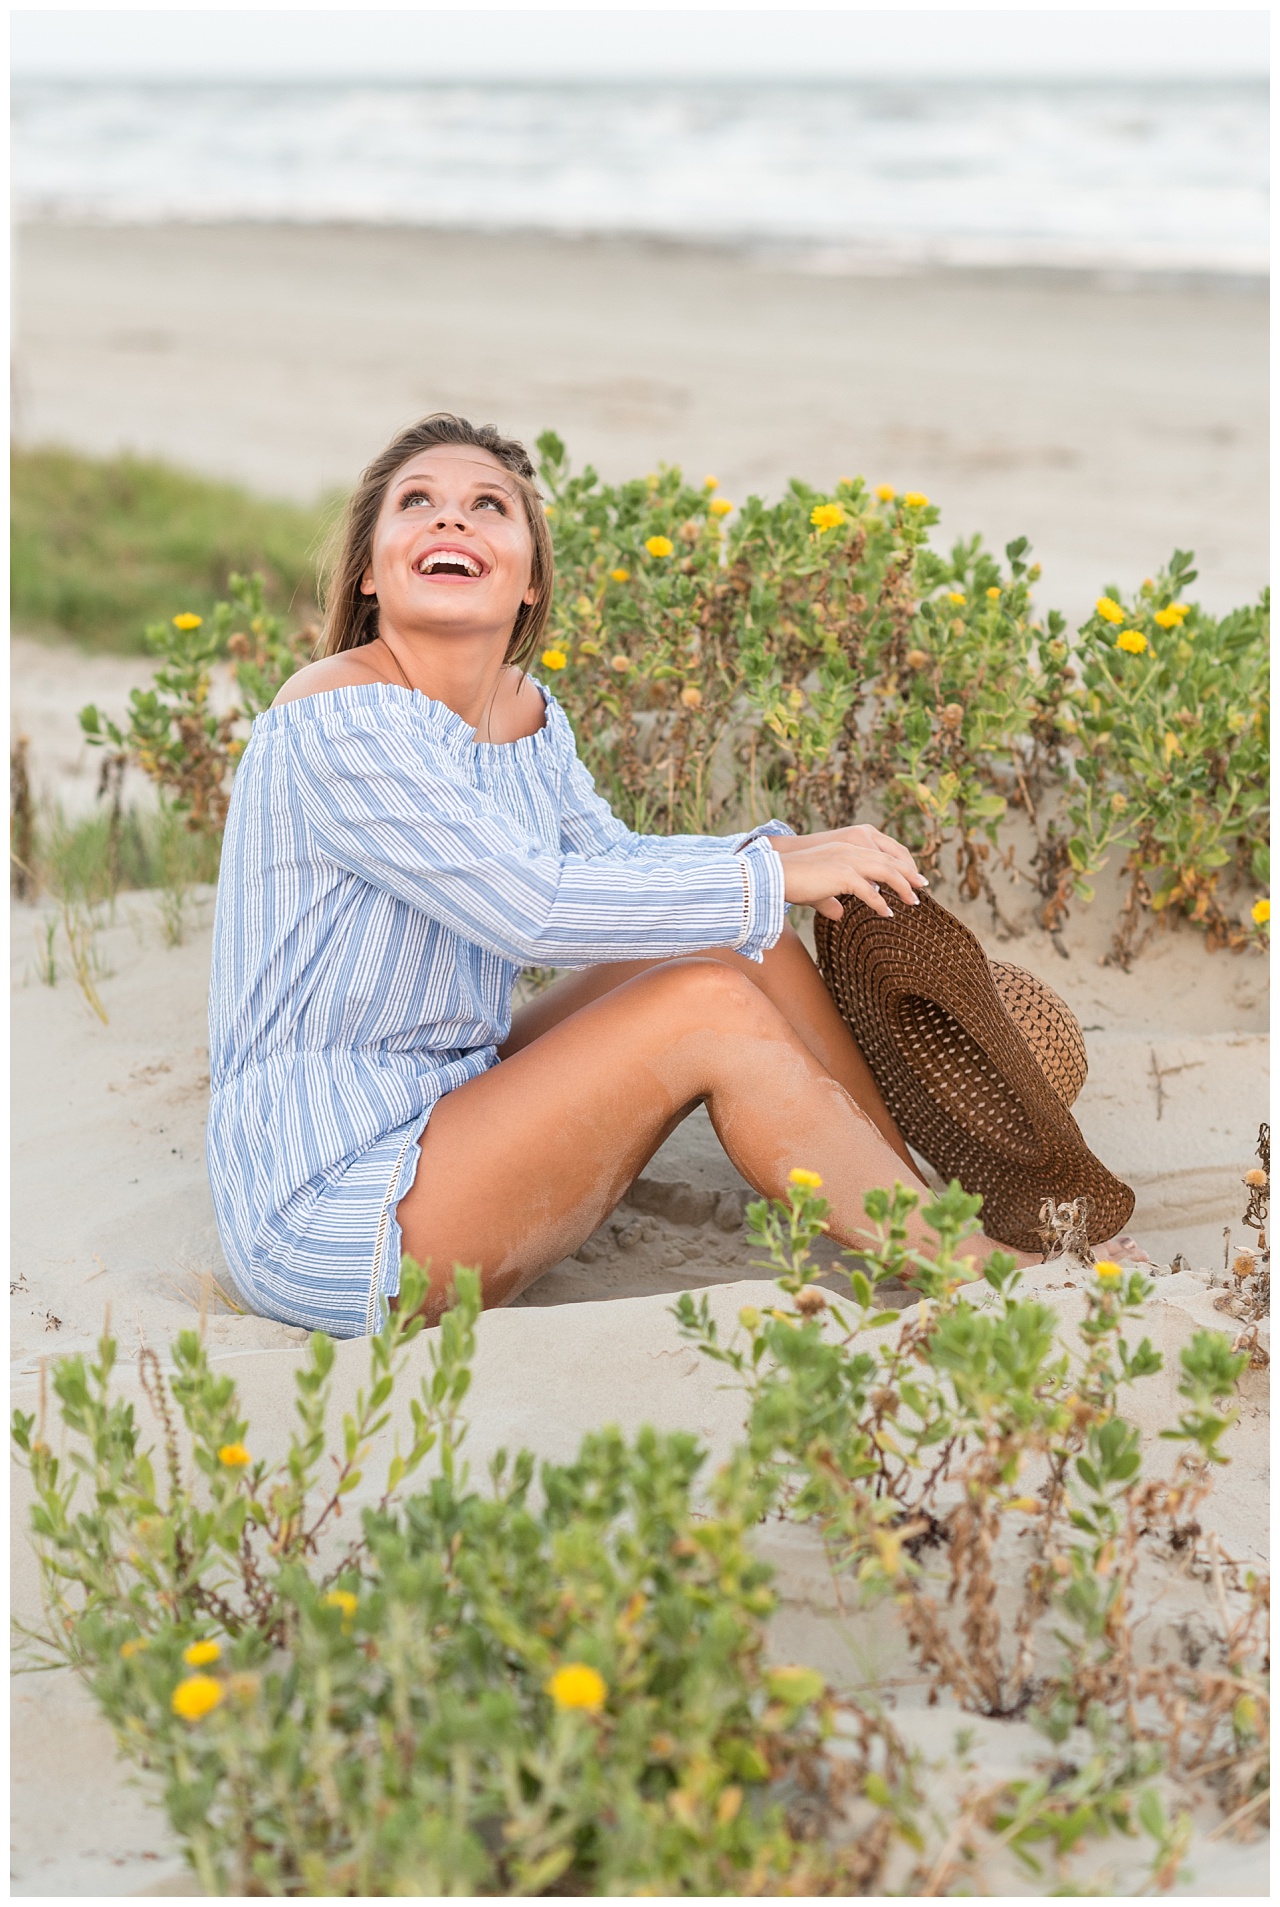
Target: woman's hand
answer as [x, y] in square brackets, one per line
[860, 860]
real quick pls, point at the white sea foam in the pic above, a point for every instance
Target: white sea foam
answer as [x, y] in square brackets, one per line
[844, 176]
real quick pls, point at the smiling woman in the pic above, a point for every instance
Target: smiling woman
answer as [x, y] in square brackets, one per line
[409, 827]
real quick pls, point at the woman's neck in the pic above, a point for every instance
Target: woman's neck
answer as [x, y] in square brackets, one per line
[489, 695]
[464, 676]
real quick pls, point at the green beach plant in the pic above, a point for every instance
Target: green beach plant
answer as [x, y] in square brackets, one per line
[973, 1427]
[556, 1683]
[174, 733]
[1171, 768]
[559, 1681]
[818, 658]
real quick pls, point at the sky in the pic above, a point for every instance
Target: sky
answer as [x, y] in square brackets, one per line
[478, 43]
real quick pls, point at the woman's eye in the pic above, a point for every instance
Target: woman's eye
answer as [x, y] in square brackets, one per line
[492, 503]
[412, 497]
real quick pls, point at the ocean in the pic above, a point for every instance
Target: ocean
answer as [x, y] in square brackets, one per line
[839, 177]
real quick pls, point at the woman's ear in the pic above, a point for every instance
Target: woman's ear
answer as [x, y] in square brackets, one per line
[367, 584]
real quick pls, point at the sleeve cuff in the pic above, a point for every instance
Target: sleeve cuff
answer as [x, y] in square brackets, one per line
[739, 841]
[764, 901]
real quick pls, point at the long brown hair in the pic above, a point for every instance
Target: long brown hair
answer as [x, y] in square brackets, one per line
[350, 617]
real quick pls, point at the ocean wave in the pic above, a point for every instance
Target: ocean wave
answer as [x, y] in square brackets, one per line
[836, 177]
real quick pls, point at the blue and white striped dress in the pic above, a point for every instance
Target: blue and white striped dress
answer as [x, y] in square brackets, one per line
[384, 879]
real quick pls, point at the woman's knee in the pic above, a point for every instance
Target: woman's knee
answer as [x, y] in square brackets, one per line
[710, 992]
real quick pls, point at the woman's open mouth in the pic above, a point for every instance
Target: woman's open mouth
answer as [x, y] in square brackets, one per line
[448, 563]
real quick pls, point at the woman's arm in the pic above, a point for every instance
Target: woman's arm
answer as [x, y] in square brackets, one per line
[380, 807]
[589, 826]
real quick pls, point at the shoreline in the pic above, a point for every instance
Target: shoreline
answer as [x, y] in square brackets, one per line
[808, 257]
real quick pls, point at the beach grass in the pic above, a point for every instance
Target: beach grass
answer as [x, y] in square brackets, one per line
[90, 859]
[103, 546]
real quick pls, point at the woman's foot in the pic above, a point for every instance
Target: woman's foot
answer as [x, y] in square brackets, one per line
[1123, 1249]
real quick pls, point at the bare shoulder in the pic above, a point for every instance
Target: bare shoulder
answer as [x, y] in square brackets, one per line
[345, 671]
[518, 708]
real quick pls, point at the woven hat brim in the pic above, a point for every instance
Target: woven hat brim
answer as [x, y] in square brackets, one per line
[955, 1072]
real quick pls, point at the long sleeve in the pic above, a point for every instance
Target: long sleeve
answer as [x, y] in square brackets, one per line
[383, 803]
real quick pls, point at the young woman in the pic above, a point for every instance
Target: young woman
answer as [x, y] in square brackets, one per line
[410, 826]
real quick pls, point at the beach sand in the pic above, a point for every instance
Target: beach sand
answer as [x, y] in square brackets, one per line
[1108, 425]
[112, 1213]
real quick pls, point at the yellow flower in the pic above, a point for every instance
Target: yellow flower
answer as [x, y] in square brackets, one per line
[793, 1685]
[577, 1686]
[187, 621]
[1172, 617]
[1109, 609]
[200, 1654]
[711, 483]
[234, 1455]
[886, 492]
[810, 1181]
[956, 596]
[1108, 1271]
[659, 545]
[720, 506]
[1132, 641]
[915, 499]
[692, 696]
[1260, 913]
[993, 594]
[554, 658]
[132, 1646]
[344, 1600]
[827, 516]
[619, 575]
[889, 1549]
[620, 663]
[196, 1697]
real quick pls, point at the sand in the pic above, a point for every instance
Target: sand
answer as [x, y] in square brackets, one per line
[1107, 424]
[112, 1209]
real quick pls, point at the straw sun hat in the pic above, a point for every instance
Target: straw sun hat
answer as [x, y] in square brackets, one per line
[977, 1060]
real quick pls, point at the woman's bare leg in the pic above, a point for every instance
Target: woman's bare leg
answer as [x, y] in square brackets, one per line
[787, 976]
[520, 1166]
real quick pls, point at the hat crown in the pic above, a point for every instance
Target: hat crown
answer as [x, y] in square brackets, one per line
[1048, 1026]
[977, 1061]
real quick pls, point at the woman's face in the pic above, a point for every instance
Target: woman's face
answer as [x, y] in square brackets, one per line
[452, 552]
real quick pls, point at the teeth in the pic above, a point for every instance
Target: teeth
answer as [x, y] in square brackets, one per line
[448, 559]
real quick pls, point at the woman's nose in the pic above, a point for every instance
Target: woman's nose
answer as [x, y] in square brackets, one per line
[451, 520]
